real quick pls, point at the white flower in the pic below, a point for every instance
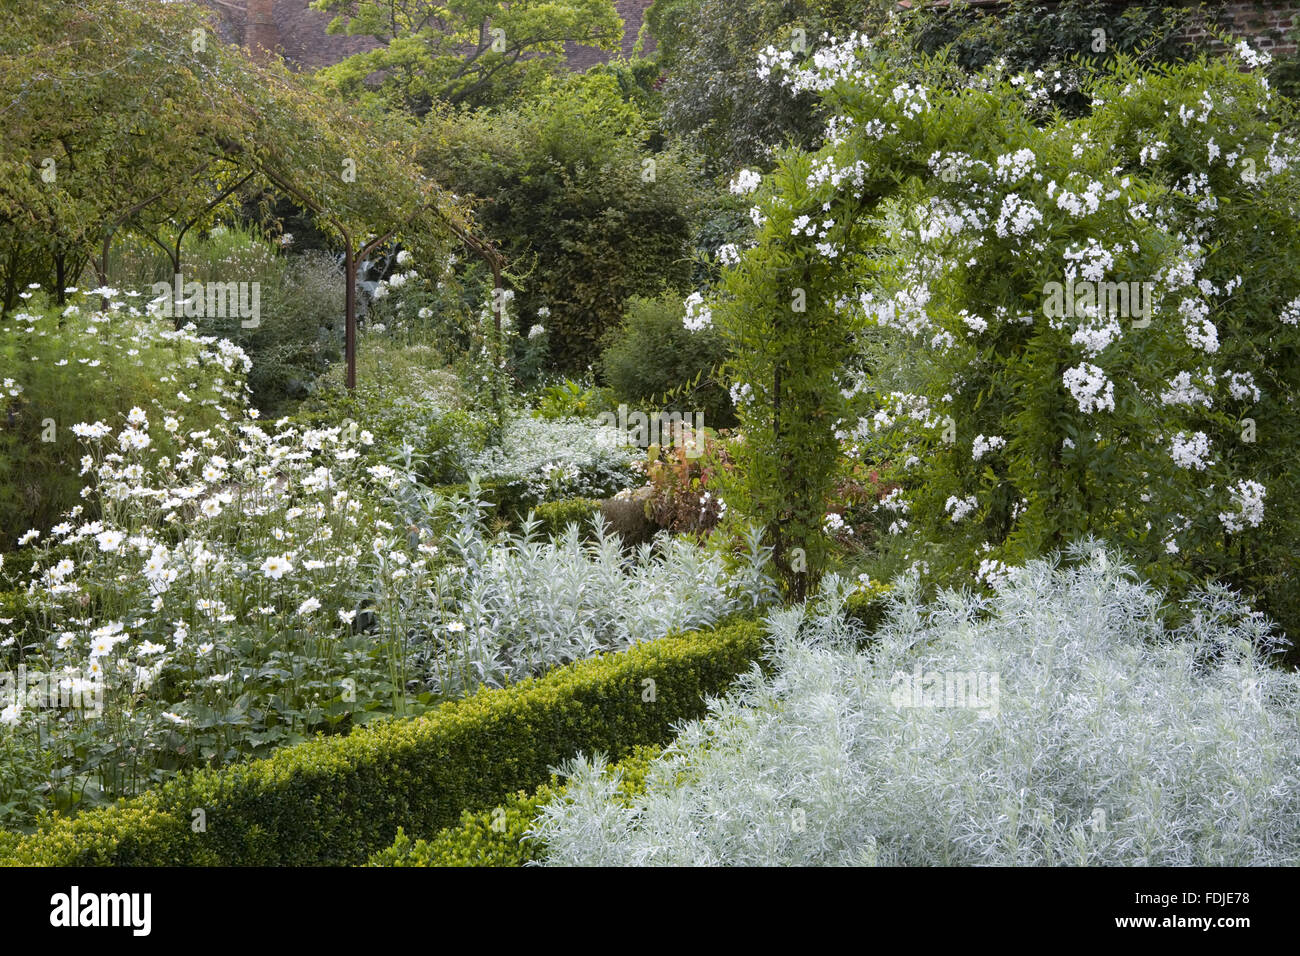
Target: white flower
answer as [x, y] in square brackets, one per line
[308, 606]
[109, 540]
[834, 523]
[1250, 57]
[959, 508]
[456, 627]
[698, 316]
[1181, 391]
[1016, 217]
[1090, 388]
[746, 181]
[982, 446]
[1248, 496]
[11, 714]
[1013, 167]
[1190, 451]
[276, 566]
[1242, 385]
[1290, 312]
[174, 718]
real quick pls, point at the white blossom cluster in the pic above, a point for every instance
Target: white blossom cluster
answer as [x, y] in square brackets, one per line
[698, 315]
[1248, 497]
[1092, 390]
[983, 445]
[1190, 451]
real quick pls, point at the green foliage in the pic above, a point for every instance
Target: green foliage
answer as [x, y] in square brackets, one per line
[933, 239]
[653, 363]
[709, 49]
[1028, 35]
[300, 303]
[411, 404]
[570, 399]
[787, 347]
[333, 801]
[498, 837]
[584, 212]
[555, 516]
[435, 53]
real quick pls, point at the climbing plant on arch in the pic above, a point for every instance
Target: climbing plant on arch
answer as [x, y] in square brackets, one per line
[903, 303]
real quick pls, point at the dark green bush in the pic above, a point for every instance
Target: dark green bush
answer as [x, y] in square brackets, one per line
[495, 837]
[654, 363]
[577, 202]
[336, 801]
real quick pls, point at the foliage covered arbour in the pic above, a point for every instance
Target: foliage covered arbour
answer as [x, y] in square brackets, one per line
[135, 116]
[907, 297]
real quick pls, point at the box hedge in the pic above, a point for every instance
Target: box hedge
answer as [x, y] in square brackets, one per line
[337, 800]
[495, 837]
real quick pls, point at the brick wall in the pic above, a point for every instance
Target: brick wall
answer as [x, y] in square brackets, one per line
[1266, 24]
[633, 14]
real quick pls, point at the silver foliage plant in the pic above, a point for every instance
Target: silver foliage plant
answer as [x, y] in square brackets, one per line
[1117, 740]
[522, 604]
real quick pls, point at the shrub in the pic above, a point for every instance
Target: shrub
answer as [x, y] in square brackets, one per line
[1098, 736]
[337, 800]
[409, 402]
[498, 837]
[572, 195]
[519, 605]
[570, 399]
[540, 459]
[555, 516]
[653, 363]
[683, 488]
[300, 330]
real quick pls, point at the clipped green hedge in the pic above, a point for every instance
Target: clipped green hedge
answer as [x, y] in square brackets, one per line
[495, 837]
[337, 800]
